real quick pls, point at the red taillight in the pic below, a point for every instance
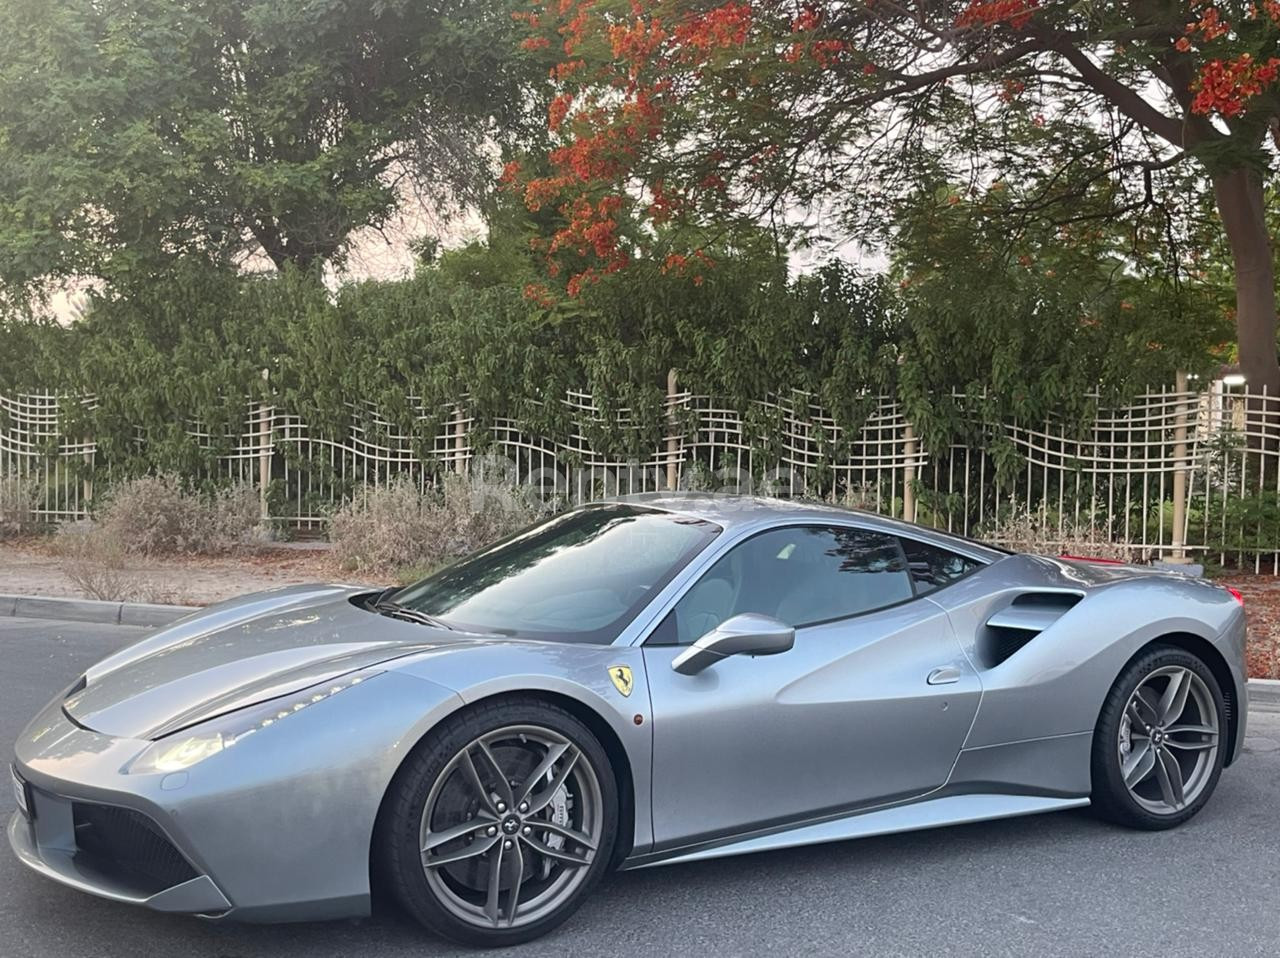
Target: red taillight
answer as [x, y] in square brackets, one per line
[1093, 559]
[1235, 594]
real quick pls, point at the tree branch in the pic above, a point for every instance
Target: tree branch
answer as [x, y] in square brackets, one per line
[1127, 101]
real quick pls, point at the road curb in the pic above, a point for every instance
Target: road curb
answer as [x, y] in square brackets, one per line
[92, 610]
[1264, 695]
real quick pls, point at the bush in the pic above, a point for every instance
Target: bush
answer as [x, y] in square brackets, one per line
[1041, 534]
[94, 562]
[397, 526]
[18, 498]
[98, 564]
[157, 515]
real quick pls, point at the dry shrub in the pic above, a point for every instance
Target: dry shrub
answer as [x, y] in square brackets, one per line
[864, 496]
[100, 566]
[149, 517]
[96, 564]
[157, 515]
[1039, 534]
[18, 499]
[397, 526]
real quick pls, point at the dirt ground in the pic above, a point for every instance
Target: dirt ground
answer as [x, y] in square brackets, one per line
[1262, 608]
[30, 567]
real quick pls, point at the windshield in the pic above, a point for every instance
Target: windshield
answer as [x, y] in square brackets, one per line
[580, 577]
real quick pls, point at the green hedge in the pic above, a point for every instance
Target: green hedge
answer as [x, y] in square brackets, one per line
[192, 343]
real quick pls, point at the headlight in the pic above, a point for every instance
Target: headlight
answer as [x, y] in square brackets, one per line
[181, 750]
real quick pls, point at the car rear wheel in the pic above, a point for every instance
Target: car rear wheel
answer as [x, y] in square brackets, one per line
[500, 823]
[1159, 745]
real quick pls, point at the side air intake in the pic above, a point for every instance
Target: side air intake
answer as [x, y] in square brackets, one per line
[1011, 628]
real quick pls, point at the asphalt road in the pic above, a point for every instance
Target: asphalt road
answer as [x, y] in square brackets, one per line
[1059, 884]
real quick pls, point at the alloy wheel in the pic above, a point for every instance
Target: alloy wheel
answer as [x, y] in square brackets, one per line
[1168, 741]
[511, 827]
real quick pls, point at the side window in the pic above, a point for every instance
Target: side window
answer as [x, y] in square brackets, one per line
[800, 575]
[932, 567]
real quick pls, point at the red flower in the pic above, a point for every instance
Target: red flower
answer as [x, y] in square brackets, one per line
[558, 110]
[1226, 87]
[808, 20]
[987, 13]
[723, 26]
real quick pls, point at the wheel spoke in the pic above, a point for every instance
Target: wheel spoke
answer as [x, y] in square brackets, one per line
[1139, 764]
[472, 775]
[515, 866]
[541, 799]
[502, 786]
[478, 847]
[554, 754]
[434, 839]
[558, 854]
[495, 884]
[1143, 711]
[1174, 700]
[569, 833]
[1210, 740]
[1169, 774]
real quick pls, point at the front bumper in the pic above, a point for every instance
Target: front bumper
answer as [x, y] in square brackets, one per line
[48, 845]
[276, 829]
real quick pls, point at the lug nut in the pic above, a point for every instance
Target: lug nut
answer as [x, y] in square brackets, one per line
[527, 830]
[502, 806]
[524, 806]
[492, 830]
[507, 843]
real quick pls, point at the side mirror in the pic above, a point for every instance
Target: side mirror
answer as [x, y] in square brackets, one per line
[746, 634]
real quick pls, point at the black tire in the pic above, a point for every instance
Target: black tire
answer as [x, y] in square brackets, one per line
[397, 854]
[1112, 800]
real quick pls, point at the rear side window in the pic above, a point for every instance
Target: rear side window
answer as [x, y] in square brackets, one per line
[932, 567]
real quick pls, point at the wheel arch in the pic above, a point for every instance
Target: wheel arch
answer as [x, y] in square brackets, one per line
[619, 760]
[1216, 662]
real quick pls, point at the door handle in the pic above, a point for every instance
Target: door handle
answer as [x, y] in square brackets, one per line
[944, 675]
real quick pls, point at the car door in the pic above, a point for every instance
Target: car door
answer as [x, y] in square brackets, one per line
[871, 705]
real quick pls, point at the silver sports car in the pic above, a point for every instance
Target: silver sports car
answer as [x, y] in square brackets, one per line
[649, 680]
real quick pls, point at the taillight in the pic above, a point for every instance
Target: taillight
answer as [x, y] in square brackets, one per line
[1235, 594]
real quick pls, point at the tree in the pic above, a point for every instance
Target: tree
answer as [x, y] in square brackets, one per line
[136, 131]
[708, 115]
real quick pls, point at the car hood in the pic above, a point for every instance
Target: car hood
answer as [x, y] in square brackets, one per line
[240, 653]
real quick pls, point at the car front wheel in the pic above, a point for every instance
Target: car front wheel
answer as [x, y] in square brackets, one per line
[1160, 742]
[500, 823]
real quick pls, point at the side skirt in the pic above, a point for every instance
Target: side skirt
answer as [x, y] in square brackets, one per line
[949, 810]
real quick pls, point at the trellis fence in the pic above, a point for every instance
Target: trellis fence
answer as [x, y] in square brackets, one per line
[1177, 473]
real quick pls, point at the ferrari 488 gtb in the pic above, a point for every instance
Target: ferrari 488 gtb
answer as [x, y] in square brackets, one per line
[651, 680]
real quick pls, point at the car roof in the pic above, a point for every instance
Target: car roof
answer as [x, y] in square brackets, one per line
[734, 511]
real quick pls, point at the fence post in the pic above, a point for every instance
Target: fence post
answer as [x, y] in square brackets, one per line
[87, 458]
[673, 442]
[459, 440]
[1180, 466]
[264, 451]
[909, 472]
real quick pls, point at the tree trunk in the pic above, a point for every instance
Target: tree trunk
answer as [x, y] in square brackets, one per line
[1239, 197]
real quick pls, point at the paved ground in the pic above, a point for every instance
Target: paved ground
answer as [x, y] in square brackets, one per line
[1054, 885]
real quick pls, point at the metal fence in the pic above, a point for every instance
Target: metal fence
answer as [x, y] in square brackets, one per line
[1176, 473]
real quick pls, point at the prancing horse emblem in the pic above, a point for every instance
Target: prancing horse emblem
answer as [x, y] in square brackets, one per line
[622, 680]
